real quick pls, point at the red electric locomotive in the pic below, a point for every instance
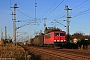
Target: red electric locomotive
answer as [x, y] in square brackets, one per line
[55, 38]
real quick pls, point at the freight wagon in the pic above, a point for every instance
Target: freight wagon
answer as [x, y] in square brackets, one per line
[38, 40]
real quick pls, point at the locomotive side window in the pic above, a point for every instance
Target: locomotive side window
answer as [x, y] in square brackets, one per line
[47, 36]
[56, 34]
[62, 34]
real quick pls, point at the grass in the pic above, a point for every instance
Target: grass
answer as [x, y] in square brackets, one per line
[11, 51]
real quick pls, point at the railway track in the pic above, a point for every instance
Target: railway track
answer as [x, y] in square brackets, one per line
[59, 54]
[78, 52]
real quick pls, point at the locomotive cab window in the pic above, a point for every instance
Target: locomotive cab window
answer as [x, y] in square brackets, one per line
[56, 34]
[62, 34]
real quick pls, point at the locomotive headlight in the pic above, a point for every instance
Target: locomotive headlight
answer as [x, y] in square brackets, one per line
[54, 40]
[64, 40]
[61, 40]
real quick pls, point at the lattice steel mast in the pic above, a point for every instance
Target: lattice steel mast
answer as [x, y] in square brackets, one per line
[14, 21]
[68, 21]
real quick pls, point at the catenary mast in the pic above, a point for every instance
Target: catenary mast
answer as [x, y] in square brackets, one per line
[5, 33]
[68, 21]
[14, 22]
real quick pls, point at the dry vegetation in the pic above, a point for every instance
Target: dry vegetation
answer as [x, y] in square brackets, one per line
[11, 51]
[89, 47]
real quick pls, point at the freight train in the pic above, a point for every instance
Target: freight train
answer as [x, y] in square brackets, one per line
[55, 38]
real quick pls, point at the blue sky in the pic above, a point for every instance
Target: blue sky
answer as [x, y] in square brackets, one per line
[50, 9]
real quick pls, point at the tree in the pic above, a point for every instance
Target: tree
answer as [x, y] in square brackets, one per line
[78, 35]
[51, 29]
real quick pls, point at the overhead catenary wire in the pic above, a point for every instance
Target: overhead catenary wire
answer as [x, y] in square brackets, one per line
[55, 7]
[60, 23]
[28, 17]
[79, 14]
[82, 13]
[26, 25]
[60, 16]
[11, 10]
[24, 14]
[80, 4]
[10, 7]
[76, 8]
[50, 8]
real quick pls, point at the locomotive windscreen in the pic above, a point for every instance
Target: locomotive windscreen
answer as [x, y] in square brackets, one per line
[59, 34]
[62, 34]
